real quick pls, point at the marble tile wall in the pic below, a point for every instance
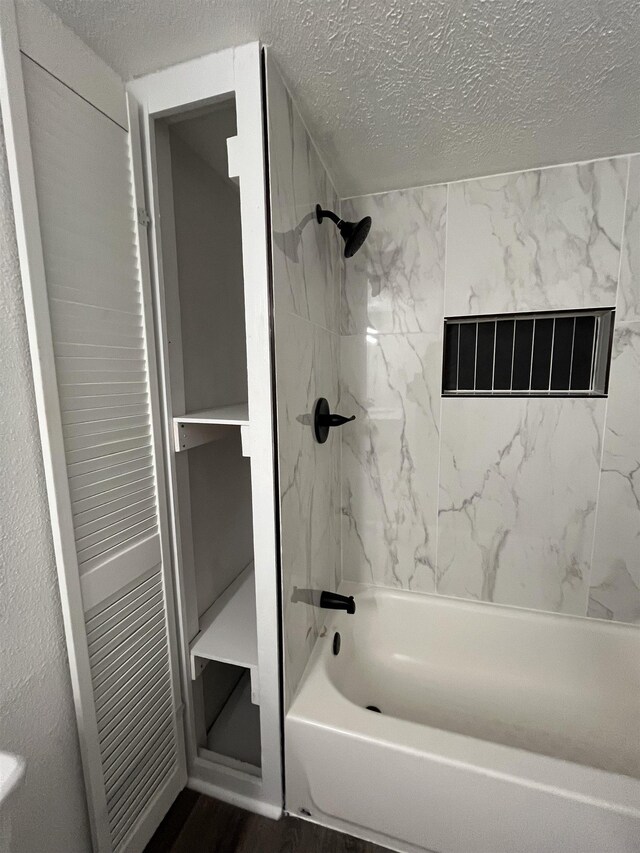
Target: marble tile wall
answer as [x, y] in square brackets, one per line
[528, 502]
[530, 241]
[390, 363]
[518, 490]
[306, 285]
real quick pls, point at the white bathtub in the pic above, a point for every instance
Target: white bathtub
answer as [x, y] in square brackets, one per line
[502, 730]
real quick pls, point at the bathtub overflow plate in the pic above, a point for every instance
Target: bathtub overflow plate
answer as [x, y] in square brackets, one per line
[336, 643]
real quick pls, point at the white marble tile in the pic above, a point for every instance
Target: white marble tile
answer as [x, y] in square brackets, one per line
[306, 275]
[545, 239]
[306, 368]
[518, 487]
[629, 285]
[390, 458]
[306, 254]
[395, 283]
[615, 572]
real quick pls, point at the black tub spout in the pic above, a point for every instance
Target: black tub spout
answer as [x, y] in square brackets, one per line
[333, 601]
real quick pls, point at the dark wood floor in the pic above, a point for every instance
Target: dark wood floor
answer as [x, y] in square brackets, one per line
[198, 824]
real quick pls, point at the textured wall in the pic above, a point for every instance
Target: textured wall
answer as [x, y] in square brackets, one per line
[37, 719]
[306, 280]
[404, 92]
[486, 498]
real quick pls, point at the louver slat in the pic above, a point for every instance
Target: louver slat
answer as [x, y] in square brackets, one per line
[86, 507]
[117, 729]
[122, 693]
[98, 428]
[137, 741]
[152, 785]
[127, 640]
[115, 670]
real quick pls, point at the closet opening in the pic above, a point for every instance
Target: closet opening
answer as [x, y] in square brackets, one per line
[205, 381]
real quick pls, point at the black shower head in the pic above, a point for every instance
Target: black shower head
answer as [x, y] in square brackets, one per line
[353, 233]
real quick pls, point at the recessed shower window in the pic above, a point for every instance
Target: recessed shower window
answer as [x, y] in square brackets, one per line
[544, 354]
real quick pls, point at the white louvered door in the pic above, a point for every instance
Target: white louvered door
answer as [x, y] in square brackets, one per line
[122, 646]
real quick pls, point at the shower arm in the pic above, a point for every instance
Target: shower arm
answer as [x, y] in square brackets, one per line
[320, 213]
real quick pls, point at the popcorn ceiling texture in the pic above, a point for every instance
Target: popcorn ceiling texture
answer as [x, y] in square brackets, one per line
[37, 719]
[401, 93]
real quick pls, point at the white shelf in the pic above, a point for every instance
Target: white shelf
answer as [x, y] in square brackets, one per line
[228, 630]
[236, 731]
[195, 428]
[235, 415]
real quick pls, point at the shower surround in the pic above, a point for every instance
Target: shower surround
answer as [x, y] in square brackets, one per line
[533, 502]
[511, 514]
[528, 502]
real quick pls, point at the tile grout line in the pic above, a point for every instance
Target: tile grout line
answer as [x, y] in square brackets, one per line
[284, 313]
[440, 407]
[606, 402]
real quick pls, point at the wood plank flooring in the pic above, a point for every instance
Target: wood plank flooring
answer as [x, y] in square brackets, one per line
[198, 824]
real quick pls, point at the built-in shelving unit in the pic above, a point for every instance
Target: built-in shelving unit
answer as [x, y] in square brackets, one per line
[196, 428]
[228, 631]
[211, 291]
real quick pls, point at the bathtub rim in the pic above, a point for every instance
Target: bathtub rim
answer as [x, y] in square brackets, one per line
[594, 622]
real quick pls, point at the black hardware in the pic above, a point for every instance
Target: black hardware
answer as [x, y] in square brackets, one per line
[353, 233]
[323, 420]
[336, 643]
[333, 601]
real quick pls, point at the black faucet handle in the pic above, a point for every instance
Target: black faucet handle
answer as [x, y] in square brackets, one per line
[334, 601]
[334, 420]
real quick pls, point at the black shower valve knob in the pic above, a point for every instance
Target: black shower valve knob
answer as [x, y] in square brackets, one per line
[324, 419]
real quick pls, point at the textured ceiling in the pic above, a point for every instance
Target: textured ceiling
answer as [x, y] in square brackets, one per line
[405, 92]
